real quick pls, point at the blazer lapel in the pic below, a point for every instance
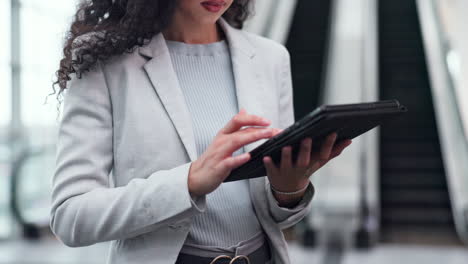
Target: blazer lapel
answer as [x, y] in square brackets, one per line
[164, 80]
[247, 76]
[247, 73]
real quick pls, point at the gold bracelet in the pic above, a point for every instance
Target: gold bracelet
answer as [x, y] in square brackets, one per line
[289, 193]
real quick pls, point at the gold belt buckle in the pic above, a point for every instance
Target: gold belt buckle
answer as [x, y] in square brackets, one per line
[232, 260]
[240, 257]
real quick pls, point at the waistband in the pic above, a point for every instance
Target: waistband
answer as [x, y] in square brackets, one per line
[261, 255]
[242, 248]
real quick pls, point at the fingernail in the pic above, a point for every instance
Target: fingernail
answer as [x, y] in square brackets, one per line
[265, 120]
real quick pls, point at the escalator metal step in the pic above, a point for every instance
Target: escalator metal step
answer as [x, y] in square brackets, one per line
[413, 180]
[417, 216]
[413, 147]
[412, 163]
[426, 235]
[403, 198]
[414, 195]
[415, 133]
[307, 45]
[408, 123]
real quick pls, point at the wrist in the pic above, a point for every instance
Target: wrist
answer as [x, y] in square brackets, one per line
[290, 187]
[296, 190]
[192, 180]
[289, 199]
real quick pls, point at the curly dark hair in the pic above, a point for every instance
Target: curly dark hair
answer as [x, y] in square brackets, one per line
[122, 25]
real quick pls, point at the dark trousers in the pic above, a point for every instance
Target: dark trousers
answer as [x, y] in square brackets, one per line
[259, 256]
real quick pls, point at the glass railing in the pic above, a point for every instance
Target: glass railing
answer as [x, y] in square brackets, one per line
[26, 168]
[347, 203]
[5, 168]
[30, 188]
[5, 115]
[441, 57]
[272, 19]
[33, 48]
[454, 38]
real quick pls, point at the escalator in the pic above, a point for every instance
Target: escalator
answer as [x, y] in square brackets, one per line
[307, 42]
[415, 203]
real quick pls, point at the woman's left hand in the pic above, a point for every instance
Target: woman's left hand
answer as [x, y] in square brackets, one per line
[293, 176]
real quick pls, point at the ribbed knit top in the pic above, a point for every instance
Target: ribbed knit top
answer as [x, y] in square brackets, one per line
[206, 78]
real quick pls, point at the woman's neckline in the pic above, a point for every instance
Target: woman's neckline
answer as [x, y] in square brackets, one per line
[198, 49]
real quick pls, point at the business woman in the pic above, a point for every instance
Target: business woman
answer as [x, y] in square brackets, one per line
[162, 99]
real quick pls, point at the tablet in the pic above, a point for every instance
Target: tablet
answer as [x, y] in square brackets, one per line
[347, 120]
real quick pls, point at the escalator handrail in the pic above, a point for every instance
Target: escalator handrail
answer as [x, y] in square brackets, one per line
[453, 140]
[365, 146]
[280, 21]
[30, 230]
[272, 19]
[370, 202]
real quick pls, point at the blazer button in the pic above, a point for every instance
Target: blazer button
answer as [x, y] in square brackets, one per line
[174, 226]
[179, 225]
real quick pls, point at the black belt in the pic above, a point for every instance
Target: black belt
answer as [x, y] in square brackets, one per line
[259, 256]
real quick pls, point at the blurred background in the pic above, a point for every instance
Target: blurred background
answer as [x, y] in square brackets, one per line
[398, 195]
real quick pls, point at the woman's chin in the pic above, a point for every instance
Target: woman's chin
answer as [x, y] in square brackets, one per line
[209, 19]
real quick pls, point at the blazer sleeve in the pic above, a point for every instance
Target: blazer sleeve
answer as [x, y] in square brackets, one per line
[85, 208]
[287, 217]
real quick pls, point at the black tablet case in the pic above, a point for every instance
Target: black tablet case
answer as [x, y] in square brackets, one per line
[348, 120]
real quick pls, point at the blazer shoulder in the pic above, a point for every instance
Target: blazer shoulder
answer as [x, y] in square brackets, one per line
[131, 58]
[265, 45]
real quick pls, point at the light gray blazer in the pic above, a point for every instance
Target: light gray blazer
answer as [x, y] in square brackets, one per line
[126, 144]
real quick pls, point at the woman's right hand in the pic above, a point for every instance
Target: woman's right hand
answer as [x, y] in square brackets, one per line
[216, 163]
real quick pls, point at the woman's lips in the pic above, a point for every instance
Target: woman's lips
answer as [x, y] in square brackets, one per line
[213, 6]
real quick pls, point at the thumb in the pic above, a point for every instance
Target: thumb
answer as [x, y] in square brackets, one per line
[277, 131]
